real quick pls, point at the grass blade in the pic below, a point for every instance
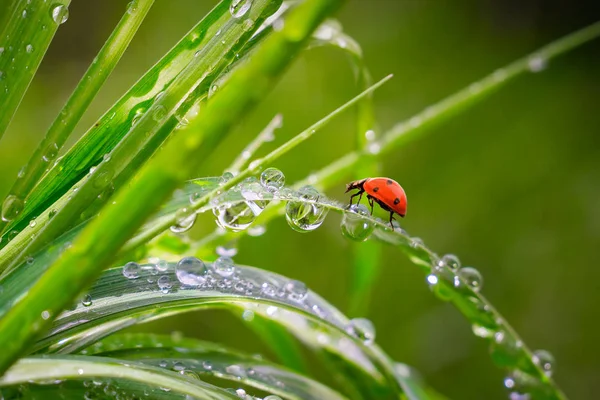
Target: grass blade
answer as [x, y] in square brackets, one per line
[24, 42]
[84, 93]
[91, 252]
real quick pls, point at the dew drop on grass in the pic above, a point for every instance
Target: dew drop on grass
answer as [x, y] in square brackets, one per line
[451, 261]
[236, 370]
[505, 349]
[132, 7]
[272, 397]
[162, 265]
[164, 283]
[11, 207]
[227, 176]
[297, 290]
[191, 271]
[59, 14]
[29, 48]
[362, 328]
[184, 220]
[102, 179]
[50, 153]
[86, 301]
[248, 24]
[238, 216]
[355, 227]
[432, 279]
[239, 8]
[545, 360]
[45, 314]
[131, 270]
[272, 179]
[159, 113]
[537, 63]
[306, 215]
[223, 251]
[248, 315]
[224, 267]
[471, 276]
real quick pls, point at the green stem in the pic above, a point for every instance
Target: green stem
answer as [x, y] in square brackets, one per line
[97, 245]
[84, 93]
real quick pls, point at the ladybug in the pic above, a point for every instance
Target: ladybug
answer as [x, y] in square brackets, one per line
[384, 191]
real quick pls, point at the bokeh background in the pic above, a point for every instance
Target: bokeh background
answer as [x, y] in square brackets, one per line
[512, 185]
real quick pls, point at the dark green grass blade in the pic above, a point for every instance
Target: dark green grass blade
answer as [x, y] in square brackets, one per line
[97, 245]
[24, 41]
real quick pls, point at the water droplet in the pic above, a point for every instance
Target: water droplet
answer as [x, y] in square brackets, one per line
[50, 153]
[537, 63]
[354, 226]
[11, 207]
[32, 223]
[207, 365]
[505, 349]
[164, 283]
[374, 148]
[545, 360]
[86, 301]
[60, 14]
[223, 251]
[162, 265]
[482, 331]
[159, 113]
[248, 315]
[272, 397]
[307, 215]
[272, 179]
[227, 176]
[248, 24]
[471, 276]
[224, 267]
[236, 370]
[450, 261]
[24, 13]
[297, 290]
[132, 7]
[239, 8]
[257, 230]
[131, 270]
[29, 48]
[432, 279]
[45, 314]
[184, 220]
[102, 179]
[362, 328]
[191, 271]
[178, 366]
[237, 216]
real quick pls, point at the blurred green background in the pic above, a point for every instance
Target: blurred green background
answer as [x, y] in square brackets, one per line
[512, 185]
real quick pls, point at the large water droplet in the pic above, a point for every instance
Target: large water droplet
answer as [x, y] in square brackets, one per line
[184, 220]
[307, 215]
[451, 261]
[224, 267]
[86, 301]
[272, 179]
[471, 276]
[297, 290]
[191, 271]
[239, 8]
[362, 328]
[50, 153]
[545, 360]
[131, 270]
[11, 207]
[60, 14]
[354, 226]
[236, 216]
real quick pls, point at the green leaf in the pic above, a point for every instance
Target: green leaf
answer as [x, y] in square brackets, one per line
[23, 43]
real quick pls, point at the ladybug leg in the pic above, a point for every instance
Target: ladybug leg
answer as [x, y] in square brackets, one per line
[392, 218]
[370, 203]
[360, 193]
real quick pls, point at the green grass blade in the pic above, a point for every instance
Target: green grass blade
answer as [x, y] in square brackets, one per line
[207, 62]
[47, 368]
[108, 131]
[98, 243]
[84, 93]
[192, 356]
[24, 42]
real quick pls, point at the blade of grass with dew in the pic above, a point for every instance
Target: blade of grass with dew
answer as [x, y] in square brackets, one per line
[48, 368]
[101, 138]
[82, 96]
[192, 356]
[24, 42]
[255, 167]
[414, 127]
[99, 242]
[208, 61]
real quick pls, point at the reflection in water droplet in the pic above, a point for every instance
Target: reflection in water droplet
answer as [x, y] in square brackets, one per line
[355, 227]
[11, 207]
[306, 215]
[272, 179]
[184, 219]
[227, 176]
[237, 216]
[362, 328]
[451, 261]
[239, 8]
[29, 48]
[50, 153]
[224, 267]
[191, 271]
[60, 14]
[471, 276]
[131, 270]
[86, 300]
[164, 283]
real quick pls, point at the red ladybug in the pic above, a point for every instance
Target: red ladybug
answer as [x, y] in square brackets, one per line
[384, 191]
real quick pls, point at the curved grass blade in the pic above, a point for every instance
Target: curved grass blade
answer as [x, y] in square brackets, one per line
[84, 93]
[23, 43]
[196, 358]
[101, 138]
[207, 62]
[46, 368]
[99, 242]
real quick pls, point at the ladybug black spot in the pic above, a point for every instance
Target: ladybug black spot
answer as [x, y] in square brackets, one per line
[389, 181]
[376, 188]
[396, 201]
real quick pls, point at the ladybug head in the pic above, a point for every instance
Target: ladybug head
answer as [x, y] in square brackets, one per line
[355, 185]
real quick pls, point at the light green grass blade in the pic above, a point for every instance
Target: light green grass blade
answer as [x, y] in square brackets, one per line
[23, 43]
[99, 242]
[47, 368]
[84, 93]
[180, 94]
[203, 359]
